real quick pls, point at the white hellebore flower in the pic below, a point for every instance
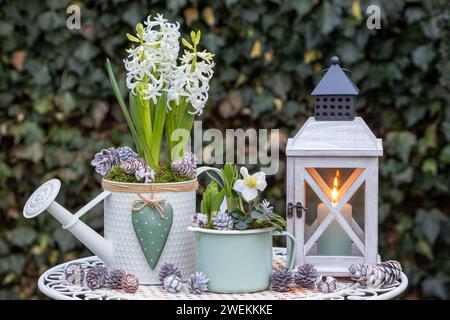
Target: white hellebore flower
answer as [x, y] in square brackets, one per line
[250, 185]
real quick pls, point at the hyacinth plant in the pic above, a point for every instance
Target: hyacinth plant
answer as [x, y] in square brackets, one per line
[166, 91]
[243, 208]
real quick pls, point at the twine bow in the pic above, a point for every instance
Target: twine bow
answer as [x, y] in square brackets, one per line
[139, 204]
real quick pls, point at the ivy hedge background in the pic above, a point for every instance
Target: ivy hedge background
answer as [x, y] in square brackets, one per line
[57, 109]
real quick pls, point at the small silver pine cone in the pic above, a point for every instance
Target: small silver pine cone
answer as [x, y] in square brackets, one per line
[198, 283]
[114, 279]
[306, 276]
[126, 153]
[145, 173]
[131, 165]
[74, 273]
[96, 276]
[168, 269]
[326, 284]
[130, 283]
[223, 221]
[172, 284]
[199, 220]
[281, 280]
[186, 166]
[376, 275]
[105, 160]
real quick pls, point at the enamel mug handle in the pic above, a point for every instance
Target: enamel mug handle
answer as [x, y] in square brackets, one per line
[291, 253]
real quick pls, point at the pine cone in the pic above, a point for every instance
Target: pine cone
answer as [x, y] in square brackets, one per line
[126, 153]
[281, 280]
[376, 275]
[114, 279]
[74, 273]
[95, 277]
[223, 221]
[131, 165]
[199, 220]
[306, 276]
[326, 284]
[168, 269]
[130, 283]
[172, 284]
[105, 160]
[186, 166]
[198, 283]
[145, 173]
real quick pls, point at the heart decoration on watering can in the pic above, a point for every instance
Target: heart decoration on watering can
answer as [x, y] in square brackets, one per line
[152, 221]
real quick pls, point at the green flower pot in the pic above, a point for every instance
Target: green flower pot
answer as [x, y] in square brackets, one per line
[238, 261]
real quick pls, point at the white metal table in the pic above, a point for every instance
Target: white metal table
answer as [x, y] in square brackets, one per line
[53, 284]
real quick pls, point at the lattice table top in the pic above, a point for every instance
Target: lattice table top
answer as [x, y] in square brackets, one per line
[53, 284]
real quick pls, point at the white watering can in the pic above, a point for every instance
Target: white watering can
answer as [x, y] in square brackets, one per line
[120, 248]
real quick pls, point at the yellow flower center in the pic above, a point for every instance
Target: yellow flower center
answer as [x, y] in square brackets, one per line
[250, 181]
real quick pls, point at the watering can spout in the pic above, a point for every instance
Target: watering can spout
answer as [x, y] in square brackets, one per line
[43, 199]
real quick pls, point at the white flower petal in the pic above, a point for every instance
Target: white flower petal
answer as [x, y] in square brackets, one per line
[244, 172]
[261, 183]
[249, 194]
[239, 185]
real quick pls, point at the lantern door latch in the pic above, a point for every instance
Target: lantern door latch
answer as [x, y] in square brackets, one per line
[299, 209]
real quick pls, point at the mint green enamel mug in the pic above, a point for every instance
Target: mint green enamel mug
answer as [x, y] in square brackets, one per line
[238, 261]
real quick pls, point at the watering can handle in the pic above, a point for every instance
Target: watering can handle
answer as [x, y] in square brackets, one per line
[86, 208]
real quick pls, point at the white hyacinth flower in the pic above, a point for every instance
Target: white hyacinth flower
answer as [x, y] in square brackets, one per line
[152, 67]
[250, 184]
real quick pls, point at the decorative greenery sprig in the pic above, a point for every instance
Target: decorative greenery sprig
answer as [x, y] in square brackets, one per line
[211, 201]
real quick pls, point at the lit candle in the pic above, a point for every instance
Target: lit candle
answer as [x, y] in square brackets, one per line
[334, 241]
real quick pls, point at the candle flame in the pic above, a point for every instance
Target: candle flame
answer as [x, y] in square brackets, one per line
[334, 191]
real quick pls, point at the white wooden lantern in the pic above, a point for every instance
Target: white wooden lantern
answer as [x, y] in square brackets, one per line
[332, 170]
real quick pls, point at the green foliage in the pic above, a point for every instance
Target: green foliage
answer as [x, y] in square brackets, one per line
[257, 219]
[211, 201]
[229, 175]
[116, 174]
[57, 109]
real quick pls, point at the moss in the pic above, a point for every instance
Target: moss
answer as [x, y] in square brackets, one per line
[116, 174]
[163, 174]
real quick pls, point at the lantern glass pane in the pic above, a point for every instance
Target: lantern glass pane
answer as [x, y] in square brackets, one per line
[331, 186]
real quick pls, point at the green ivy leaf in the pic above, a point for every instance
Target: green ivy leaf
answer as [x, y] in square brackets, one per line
[424, 248]
[430, 223]
[423, 55]
[65, 240]
[435, 287]
[3, 248]
[445, 154]
[43, 105]
[329, 19]
[23, 236]
[430, 166]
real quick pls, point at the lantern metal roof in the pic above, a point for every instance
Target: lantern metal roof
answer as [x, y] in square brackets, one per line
[335, 82]
[334, 138]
